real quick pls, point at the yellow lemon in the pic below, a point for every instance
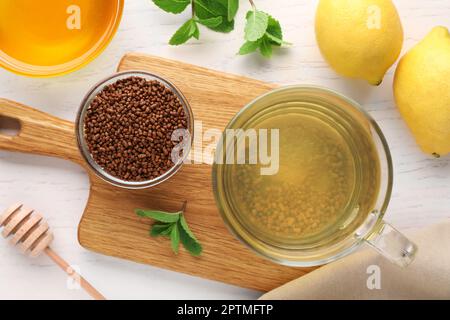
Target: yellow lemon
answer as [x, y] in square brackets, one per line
[359, 38]
[422, 91]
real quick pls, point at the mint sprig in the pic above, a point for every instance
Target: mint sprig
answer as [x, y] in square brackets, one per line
[175, 227]
[262, 31]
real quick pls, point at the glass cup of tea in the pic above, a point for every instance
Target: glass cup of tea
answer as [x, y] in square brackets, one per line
[303, 176]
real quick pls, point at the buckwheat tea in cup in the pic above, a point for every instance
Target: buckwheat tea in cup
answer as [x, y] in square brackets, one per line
[126, 126]
[325, 189]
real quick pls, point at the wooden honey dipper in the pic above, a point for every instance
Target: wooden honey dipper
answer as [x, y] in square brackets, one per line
[32, 234]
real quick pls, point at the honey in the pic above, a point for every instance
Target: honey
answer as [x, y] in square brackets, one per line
[54, 36]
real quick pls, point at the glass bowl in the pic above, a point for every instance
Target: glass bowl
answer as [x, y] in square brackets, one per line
[17, 66]
[79, 127]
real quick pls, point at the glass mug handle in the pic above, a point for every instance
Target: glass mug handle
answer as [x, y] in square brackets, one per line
[392, 244]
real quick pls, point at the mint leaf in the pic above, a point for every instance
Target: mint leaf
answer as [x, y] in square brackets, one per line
[212, 8]
[175, 238]
[225, 27]
[172, 6]
[265, 47]
[166, 233]
[188, 30]
[159, 215]
[185, 227]
[210, 22]
[249, 47]
[188, 238]
[274, 32]
[274, 28]
[274, 40]
[233, 7]
[256, 26]
[160, 229]
[189, 243]
[206, 9]
[196, 33]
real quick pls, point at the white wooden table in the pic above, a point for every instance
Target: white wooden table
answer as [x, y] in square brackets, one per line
[59, 189]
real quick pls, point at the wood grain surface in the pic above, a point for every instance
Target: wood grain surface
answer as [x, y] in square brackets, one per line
[109, 225]
[40, 133]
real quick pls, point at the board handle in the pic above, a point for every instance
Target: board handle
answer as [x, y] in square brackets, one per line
[39, 133]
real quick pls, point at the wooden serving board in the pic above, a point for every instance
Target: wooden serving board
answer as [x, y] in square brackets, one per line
[109, 225]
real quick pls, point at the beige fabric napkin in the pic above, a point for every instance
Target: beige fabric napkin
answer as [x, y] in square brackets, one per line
[428, 277]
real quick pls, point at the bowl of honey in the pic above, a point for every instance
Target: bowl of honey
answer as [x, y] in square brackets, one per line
[54, 37]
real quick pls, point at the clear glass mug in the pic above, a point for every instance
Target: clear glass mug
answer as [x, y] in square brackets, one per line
[371, 230]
